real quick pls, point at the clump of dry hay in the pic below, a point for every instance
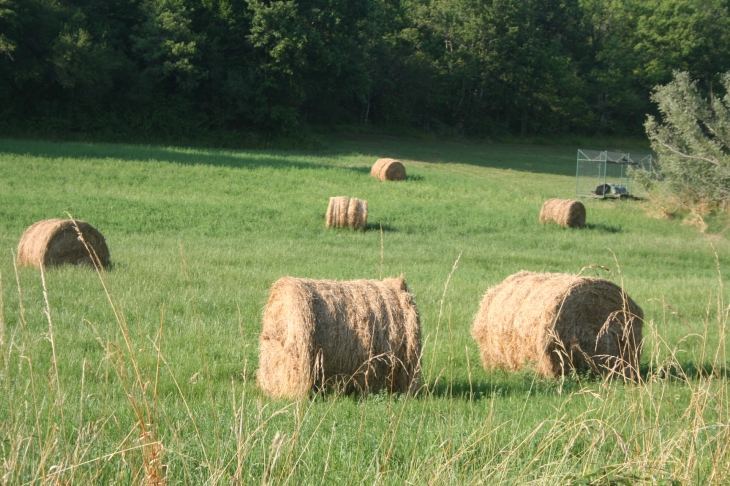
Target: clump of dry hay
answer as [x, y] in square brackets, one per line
[557, 322]
[565, 212]
[388, 170]
[59, 241]
[347, 212]
[361, 335]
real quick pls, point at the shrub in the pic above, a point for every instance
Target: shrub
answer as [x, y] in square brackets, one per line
[692, 145]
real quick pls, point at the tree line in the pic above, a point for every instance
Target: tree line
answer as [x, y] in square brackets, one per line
[465, 67]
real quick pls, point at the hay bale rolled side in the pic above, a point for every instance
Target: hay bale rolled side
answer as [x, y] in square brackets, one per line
[565, 212]
[375, 169]
[346, 212]
[357, 214]
[53, 242]
[558, 322]
[334, 210]
[362, 335]
[388, 170]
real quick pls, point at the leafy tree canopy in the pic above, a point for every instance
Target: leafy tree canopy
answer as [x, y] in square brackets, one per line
[464, 67]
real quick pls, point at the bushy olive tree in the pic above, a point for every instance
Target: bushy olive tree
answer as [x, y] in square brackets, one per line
[692, 143]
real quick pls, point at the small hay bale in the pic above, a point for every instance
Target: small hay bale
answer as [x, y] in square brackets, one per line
[388, 170]
[565, 212]
[375, 169]
[557, 322]
[347, 212]
[54, 242]
[361, 335]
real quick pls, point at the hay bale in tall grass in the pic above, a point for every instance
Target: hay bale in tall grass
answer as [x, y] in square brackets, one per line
[565, 212]
[361, 335]
[557, 322]
[54, 242]
[347, 212]
[388, 170]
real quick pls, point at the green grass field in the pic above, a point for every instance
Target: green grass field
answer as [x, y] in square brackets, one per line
[147, 374]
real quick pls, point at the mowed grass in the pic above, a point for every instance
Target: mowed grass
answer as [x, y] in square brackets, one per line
[147, 373]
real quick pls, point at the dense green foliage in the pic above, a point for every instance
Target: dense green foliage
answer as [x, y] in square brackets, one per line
[693, 144]
[157, 376]
[474, 67]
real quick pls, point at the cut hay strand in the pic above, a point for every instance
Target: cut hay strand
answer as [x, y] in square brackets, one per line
[565, 212]
[558, 322]
[54, 242]
[388, 170]
[361, 335]
[346, 212]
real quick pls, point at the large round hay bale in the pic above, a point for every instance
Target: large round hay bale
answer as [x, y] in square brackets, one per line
[59, 241]
[565, 212]
[388, 170]
[557, 322]
[362, 335]
[347, 212]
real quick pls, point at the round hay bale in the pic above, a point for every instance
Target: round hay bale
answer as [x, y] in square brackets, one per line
[388, 170]
[375, 169]
[346, 212]
[558, 322]
[565, 212]
[362, 335]
[54, 242]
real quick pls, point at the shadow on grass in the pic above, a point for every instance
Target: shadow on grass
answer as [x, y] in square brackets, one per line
[377, 225]
[522, 383]
[371, 227]
[689, 369]
[603, 228]
[502, 384]
[249, 159]
[366, 170]
[527, 384]
[359, 169]
[526, 158]
[546, 159]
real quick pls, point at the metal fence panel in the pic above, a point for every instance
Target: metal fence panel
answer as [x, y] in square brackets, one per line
[590, 172]
[607, 173]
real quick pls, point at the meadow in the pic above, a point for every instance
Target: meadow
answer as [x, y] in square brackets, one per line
[145, 373]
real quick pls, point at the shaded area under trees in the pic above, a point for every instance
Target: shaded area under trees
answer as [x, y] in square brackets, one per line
[453, 67]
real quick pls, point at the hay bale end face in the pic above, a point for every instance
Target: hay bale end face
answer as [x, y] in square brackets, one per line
[388, 170]
[559, 322]
[55, 242]
[347, 212]
[361, 335]
[565, 212]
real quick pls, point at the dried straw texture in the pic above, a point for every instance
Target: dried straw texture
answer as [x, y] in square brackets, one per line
[362, 335]
[57, 241]
[557, 322]
[347, 212]
[388, 170]
[565, 212]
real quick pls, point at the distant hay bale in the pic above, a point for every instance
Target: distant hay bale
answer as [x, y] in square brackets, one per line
[388, 170]
[362, 335]
[565, 212]
[54, 242]
[557, 322]
[347, 212]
